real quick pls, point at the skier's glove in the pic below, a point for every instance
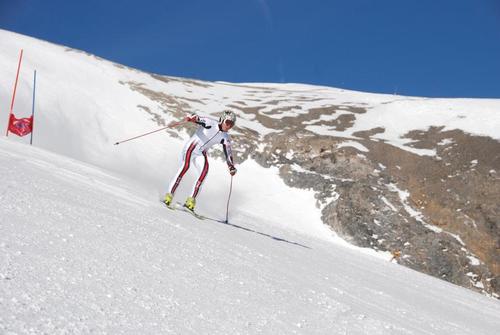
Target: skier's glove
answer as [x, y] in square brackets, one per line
[192, 118]
[232, 170]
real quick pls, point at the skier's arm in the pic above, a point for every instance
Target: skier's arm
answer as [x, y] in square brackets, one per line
[196, 119]
[226, 145]
[190, 118]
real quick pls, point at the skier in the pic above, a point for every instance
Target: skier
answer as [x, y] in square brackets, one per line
[209, 133]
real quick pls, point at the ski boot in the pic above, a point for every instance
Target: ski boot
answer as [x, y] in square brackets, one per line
[190, 203]
[168, 199]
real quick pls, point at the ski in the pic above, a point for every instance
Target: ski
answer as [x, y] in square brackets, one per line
[181, 207]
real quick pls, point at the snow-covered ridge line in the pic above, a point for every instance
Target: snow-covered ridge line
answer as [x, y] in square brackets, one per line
[475, 116]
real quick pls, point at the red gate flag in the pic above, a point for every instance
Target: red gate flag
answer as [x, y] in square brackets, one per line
[20, 127]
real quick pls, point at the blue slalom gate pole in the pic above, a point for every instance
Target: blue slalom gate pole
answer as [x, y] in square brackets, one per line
[33, 109]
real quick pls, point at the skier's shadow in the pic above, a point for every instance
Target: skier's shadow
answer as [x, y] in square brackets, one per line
[258, 232]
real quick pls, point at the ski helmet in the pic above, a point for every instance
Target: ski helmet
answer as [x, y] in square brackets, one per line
[228, 115]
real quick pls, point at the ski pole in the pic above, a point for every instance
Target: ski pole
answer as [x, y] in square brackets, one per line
[170, 125]
[229, 198]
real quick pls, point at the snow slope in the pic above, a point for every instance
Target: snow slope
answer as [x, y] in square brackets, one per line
[85, 104]
[83, 250]
[86, 247]
[83, 109]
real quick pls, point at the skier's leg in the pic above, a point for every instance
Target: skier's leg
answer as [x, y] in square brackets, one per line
[185, 163]
[201, 164]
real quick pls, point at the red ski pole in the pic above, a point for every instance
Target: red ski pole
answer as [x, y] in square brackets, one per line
[171, 125]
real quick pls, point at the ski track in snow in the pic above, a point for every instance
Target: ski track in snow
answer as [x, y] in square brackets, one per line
[85, 251]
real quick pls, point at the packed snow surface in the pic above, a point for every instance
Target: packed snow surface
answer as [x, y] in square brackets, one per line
[83, 250]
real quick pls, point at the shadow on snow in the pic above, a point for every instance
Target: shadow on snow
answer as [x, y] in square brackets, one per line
[279, 239]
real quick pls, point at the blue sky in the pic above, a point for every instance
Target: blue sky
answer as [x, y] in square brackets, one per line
[435, 48]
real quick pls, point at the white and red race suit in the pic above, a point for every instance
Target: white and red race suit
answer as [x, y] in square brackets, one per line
[207, 135]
